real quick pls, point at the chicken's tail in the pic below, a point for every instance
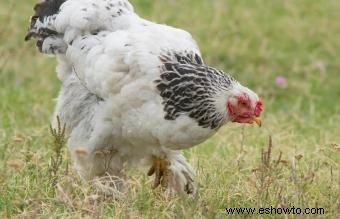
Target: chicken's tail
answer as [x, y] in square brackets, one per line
[42, 27]
[60, 22]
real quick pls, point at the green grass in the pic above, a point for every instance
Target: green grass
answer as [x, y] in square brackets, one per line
[255, 41]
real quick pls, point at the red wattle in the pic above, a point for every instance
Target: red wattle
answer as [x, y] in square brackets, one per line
[258, 108]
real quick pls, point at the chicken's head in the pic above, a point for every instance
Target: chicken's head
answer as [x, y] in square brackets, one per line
[244, 106]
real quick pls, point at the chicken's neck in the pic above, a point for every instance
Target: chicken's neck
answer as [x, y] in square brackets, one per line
[188, 87]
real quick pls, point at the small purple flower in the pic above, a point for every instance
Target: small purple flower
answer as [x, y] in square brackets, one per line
[280, 81]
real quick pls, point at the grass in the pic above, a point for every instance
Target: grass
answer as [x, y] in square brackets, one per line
[239, 167]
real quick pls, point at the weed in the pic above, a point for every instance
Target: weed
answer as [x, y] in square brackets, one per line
[56, 159]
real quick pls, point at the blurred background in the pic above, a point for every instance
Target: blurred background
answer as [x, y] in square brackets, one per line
[287, 51]
[256, 41]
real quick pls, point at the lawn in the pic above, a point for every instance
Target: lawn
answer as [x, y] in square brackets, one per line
[256, 41]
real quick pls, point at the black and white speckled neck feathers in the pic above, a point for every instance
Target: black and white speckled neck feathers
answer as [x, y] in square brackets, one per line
[188, 87]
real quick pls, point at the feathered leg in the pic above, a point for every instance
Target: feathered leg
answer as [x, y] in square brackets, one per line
[104, 167]
[95, 158]
[173, 173]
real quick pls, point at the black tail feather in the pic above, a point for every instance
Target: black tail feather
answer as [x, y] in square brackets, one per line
[47, 8]
[41, 11]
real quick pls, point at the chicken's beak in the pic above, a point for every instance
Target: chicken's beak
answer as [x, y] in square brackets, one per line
[258, 121]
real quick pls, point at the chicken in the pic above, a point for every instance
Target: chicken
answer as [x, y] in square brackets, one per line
[134, 90]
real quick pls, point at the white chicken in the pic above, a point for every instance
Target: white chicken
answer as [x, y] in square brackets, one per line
[134, 90]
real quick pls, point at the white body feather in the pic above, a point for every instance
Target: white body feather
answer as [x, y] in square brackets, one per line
[108, 64]
[120, 65]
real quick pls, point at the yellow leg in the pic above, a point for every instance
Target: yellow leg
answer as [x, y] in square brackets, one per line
[161, 171]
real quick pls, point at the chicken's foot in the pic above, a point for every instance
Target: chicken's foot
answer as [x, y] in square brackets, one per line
[161, 171]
